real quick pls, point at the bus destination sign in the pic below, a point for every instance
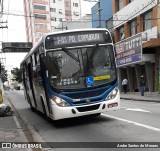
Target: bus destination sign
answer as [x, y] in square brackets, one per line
[68, 40]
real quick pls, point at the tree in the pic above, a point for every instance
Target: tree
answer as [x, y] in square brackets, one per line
[17, 74]
[3, 73]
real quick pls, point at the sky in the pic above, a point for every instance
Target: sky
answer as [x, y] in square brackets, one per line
[16, 29]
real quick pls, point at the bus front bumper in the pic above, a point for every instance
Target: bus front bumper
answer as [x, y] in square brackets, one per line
[76, 111]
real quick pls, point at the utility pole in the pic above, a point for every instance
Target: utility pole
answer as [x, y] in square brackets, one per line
[99, 13]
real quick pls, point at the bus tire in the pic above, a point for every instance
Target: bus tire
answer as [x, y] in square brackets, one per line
[31, 107]
[44, 109]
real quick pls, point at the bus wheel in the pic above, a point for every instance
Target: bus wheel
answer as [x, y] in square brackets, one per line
[32, 108]
[44, 109]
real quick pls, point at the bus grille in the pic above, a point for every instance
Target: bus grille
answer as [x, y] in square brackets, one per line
[88, 108]
[91, 101]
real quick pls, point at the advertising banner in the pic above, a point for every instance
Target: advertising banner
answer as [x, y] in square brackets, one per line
[129, 51]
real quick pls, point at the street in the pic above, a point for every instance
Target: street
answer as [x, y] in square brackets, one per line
[134, 122]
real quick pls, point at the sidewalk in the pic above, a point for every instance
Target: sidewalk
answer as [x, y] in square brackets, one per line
[11, 131]
[17, 129]
[148, 96]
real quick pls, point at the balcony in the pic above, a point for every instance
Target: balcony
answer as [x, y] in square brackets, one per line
[150, 38]
[41, 21]
[40, 11]
[40, 2]
[42, 30]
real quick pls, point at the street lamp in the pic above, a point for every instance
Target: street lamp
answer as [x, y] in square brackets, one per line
[99, 10]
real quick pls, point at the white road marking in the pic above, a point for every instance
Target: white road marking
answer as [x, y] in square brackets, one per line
[132, 122]
[123, 107]
[137, 110]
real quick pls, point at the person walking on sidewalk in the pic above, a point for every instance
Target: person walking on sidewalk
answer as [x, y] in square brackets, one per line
[1, 97]
[142, 85]
[124, 85]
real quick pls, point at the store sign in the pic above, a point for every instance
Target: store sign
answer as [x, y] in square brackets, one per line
[129, 51]
[11, 47]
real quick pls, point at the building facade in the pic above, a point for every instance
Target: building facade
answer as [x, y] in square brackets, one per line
[137, 42]
[101, 12]
[43, 16]
[84, 22]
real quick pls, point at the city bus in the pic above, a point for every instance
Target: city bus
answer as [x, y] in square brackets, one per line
[72, 73]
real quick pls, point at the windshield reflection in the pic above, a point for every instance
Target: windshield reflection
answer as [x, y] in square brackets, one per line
[68, 68]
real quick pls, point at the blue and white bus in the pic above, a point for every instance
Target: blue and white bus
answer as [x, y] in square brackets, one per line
[72, 73]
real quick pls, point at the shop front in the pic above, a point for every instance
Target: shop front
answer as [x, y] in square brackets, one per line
[132, 61]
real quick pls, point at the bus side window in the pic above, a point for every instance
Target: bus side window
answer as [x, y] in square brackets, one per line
[43, 62]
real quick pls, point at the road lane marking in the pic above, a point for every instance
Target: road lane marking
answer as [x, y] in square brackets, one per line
[137, 110]
[123, 107]
[132, 122]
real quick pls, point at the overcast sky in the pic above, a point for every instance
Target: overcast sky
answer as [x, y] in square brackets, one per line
[16, 29]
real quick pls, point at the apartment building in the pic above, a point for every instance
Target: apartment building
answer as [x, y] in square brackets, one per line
[43, 16]
[137, 42]
[84, 22]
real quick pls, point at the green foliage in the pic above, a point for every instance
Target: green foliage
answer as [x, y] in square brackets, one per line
[3, 73]
[17, 74]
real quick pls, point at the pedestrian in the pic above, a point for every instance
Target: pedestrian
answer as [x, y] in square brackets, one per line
[142, 85]
[124, 85]
[1, 97]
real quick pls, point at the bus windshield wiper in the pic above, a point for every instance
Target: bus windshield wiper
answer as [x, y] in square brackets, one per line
[70, 54]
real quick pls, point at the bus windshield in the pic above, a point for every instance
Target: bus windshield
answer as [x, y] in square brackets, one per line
[68, 68]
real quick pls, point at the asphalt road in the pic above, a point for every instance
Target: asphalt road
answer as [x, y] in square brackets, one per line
[134, 122]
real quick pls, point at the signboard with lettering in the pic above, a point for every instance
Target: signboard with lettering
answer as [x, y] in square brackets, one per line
[129, 51]
[10, 47]
[77, 39]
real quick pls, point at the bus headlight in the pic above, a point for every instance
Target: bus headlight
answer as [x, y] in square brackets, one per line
[60, 102]
[112, 94]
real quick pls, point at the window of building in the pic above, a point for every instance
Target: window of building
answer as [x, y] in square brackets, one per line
[120, 4]
[40, 7]
[53, 19]
[53, 9]
[60, 11]
[133, 27]
[121, 34]
[40, 16]
[40, 26]
[75, 4]
[67, 4]
[76, 13]
[60, 19]
[147, 20]
[68, 13]
[54, 1]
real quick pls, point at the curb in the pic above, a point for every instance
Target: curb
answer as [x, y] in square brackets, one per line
[156, 101]
[34, 134]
